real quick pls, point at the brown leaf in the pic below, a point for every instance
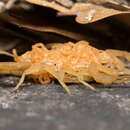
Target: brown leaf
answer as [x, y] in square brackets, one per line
[88, 12]
[50, 27]
[93, 13]
[46, 23]
[52, 5]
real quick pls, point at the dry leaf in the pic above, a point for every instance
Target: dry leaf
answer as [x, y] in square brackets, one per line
[50, 28]
[88, 12]
[92, 13]
[46, 23]
[52, 5]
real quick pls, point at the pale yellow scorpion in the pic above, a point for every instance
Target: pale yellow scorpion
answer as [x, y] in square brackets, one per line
[68, 63]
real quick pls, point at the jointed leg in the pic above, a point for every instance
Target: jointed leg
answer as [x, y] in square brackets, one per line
[58, 75]
[100, 76]
[20, 82]
[29, 71]
[124, 54]
[79, 78]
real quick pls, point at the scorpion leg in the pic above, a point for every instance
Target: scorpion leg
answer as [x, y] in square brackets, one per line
[28, 71]
[80, 78]
[124, 54]
[123, 79]
[101, 76]
[126, 71]
[58, 75]
[86, 84]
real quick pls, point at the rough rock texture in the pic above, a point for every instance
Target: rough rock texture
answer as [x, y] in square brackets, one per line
[37, 107]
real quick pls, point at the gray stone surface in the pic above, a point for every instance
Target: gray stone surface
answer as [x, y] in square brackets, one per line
[37, 107]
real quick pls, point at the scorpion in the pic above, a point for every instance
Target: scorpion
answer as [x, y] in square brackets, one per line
[68, 63]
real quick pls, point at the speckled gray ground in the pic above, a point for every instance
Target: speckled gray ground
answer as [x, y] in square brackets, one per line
[37, 107]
